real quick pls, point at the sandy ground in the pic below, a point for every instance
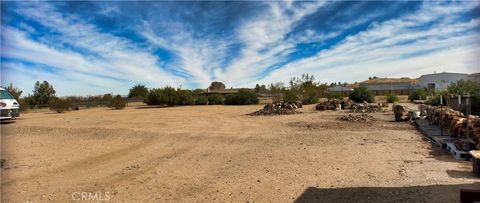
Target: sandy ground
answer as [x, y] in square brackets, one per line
[217, 153]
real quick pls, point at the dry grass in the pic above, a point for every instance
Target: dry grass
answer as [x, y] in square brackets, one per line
[218, 153]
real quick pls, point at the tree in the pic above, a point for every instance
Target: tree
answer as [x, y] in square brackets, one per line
[290, 97]
[215, 85]
[361, 94]
[139, 91]
[276, 89]
[14, 91]
[464, 87]
[43, 93]
[260, 89]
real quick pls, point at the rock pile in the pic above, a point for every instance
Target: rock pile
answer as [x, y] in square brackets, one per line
[278, 108]
[328, 105]
[355, 118]
[365, 108]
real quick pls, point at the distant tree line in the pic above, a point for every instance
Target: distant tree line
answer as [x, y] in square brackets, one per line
[44, 96]
[302, 89]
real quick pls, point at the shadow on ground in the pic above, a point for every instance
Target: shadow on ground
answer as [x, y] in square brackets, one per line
[430, 193]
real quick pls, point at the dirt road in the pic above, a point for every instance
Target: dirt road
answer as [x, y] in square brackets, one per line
[217, 153]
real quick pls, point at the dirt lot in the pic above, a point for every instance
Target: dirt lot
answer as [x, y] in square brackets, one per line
[217, 153]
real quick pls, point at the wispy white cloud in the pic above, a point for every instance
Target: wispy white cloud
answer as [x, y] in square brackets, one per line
[265, 41]
[97, 53]
[399, 47]
[198, 58]
[435, 37]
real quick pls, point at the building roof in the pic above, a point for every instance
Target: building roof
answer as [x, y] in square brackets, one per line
[221, 91]
[443, 74]
[340, 89]
[389, 81]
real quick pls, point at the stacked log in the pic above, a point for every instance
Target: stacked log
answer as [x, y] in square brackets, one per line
[456, 124]
[278, 108]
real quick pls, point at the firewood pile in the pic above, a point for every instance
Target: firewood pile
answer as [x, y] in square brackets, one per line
[277, 108]
[365, 108]
[402, 113]
[356, 118]
[455, 123]
[333, 104]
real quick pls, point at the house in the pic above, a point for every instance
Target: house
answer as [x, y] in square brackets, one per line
[440, 81]
[344, 91]
[384, 86]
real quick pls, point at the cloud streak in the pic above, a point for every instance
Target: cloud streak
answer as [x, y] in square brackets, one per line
[240, 44]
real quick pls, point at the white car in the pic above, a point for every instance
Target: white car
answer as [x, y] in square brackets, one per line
[8, 105]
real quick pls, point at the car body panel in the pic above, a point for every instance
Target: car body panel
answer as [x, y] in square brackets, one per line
[11, 108]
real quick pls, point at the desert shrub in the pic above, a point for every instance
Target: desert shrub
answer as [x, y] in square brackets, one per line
[391, 98]
[243, 97]
[185, 97]
[417, 94]
[118, 102]
[201, 100]
[154, 97]
[59, 105]
[335, 95]
[138, 91]
[23, 105]
[361, 94]
[162, 96]
[290, 97]
[214, 99]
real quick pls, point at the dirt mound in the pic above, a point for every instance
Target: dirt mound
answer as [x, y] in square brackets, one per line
[278, 108]
[355, 118]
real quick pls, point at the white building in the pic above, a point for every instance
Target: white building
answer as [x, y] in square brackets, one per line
[440, 81]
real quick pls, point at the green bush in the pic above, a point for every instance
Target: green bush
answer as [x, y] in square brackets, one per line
[201, 100]
[243, 97]
[214, 99]
[335, 95]
[361, 94]
[417, 94]
[138, 91]
[118, 102]
[290, 97]
[391, 98]
[59, 105]
[310, 97]
[162, 96]
[185, 97]
[23, 105]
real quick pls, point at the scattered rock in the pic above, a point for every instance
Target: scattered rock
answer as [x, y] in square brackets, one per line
[365, 108]
[355, 118]
[278, 108]
[3, 163]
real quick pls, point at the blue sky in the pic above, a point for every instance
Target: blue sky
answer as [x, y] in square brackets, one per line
[99, 47]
